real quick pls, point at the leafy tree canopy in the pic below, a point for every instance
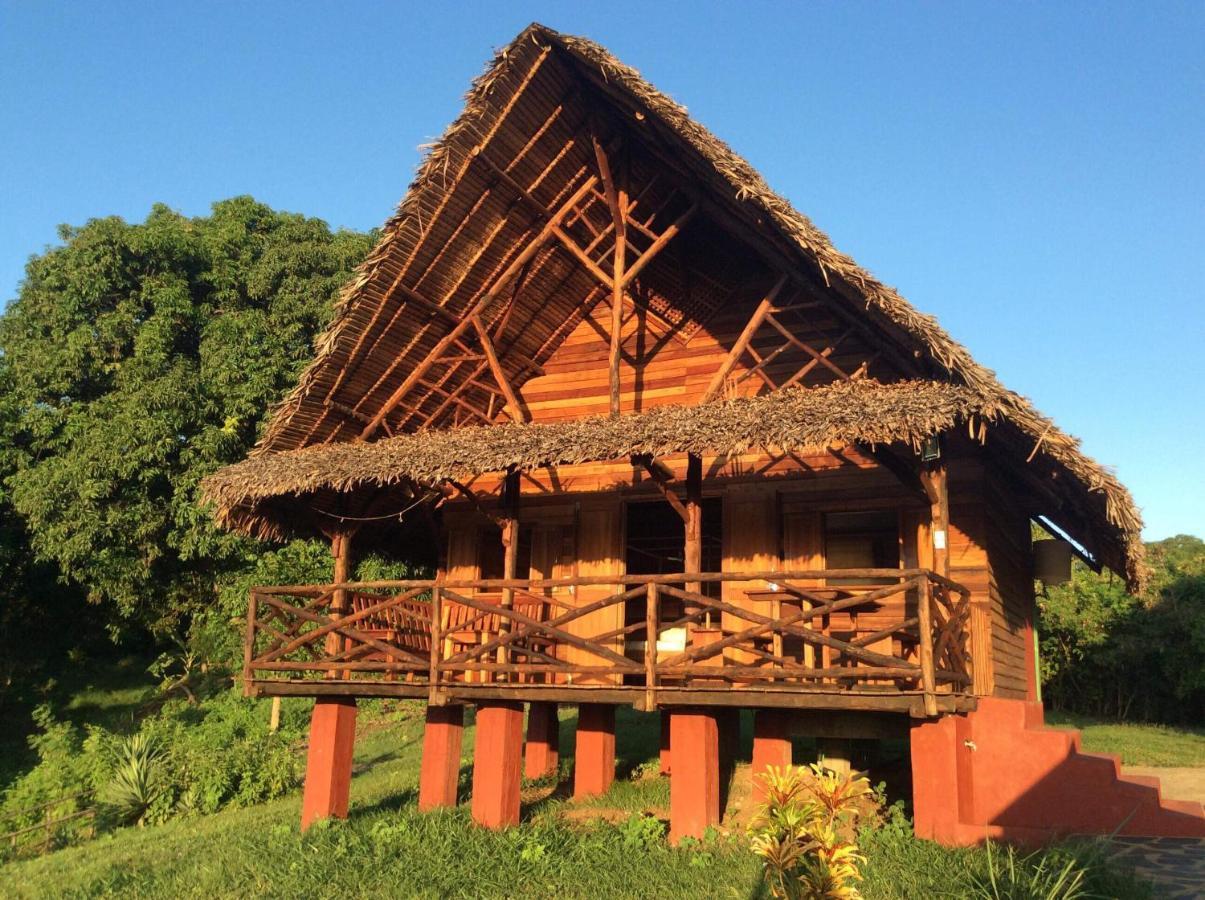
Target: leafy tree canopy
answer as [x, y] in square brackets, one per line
[1108, 653]
[138, 358]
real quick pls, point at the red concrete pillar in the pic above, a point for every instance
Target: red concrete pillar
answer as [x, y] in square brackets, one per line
[497, 764]
[694, 785]
[771, 746]
[441, 757]
[594, 762]
[935, 780]
[543, 740]
[666, 756]
[328, 762]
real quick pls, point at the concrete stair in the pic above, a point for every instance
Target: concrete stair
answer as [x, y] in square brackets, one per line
[1000, 773]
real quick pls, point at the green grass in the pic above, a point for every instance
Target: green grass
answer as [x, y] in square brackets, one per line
[1137, 744]
[386, 848]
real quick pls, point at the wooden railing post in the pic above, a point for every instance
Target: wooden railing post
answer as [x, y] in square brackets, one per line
[436, 642]
[924, 614]
[249, 642]
[651, 628]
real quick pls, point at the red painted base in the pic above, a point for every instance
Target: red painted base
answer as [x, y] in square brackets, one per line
[999, 773]
[594, 762]
[666, 756]
[771, 746]
[440, 772]
[328, 761]
[543, 740]
[497, 764]
[694, 785]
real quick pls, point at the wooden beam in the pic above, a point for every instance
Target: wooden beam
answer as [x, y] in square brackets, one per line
[936, 485]
[580, 255]
[518, 410]
[693, 547]
[353, 359]
[816, 355]
[659, 478]
[524, 194]
[510, 544]
[755, 321]
[499, 284]
[907, 475]
[658, 245]
[617, 200]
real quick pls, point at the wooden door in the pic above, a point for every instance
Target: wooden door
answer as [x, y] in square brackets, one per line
[750, 530]
[599, 552]
[802, 551]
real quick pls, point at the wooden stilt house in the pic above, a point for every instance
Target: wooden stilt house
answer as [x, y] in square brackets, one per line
[669, 448]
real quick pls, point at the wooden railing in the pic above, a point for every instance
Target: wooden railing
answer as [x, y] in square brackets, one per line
[839, 630]
[47, 825]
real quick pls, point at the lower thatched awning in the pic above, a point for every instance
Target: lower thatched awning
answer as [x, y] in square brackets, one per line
[794, 420]
[263, 495]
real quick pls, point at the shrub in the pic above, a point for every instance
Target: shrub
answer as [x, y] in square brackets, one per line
[799, 833]
[137, 780]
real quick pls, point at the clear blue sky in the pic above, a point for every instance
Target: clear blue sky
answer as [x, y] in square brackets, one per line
[1032, 174]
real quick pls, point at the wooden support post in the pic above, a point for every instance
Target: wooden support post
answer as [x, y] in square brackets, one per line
[517, 411]
[341, 602]
[694, 783]
[652, 631]
[693, 555]
[742, 342]
[924, 616]
[510, 558]
[617, 200]
[249, 642]
[328, 760]
[440, 774]
[771, 746]
[936, 486]
[543, 740]
[594, 764]
[497, 764]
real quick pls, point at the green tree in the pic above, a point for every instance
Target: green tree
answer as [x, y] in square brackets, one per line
[138, 358]
[1108, 653]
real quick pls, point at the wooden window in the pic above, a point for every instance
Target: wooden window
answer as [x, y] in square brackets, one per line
[861, 540]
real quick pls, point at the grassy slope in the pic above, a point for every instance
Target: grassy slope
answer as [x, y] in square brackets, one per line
[387, 849]
[1136, 744]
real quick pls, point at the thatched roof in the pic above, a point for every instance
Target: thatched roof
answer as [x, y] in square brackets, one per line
[317, 410]
[791, 421]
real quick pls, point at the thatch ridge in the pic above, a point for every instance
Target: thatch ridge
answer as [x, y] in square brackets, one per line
[1120, 512]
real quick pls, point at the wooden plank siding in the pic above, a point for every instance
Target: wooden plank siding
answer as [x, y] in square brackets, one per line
[657, 368]
[1009, 544]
